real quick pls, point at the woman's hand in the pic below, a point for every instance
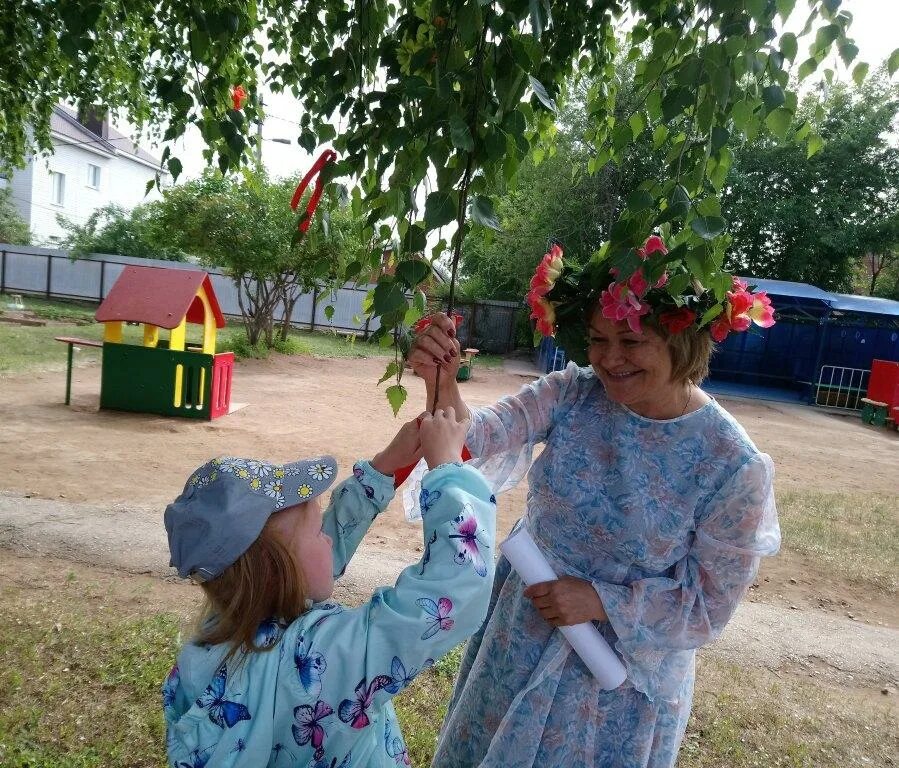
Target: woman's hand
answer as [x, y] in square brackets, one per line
[436, 346]
[442, 437]
[403, 451]
[566, 601]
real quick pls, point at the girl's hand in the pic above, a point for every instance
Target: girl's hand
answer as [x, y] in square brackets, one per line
[436, 346]
[566, 601]
[442, 437]
[404, 450]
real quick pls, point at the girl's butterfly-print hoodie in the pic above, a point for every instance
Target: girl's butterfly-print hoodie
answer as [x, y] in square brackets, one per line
[322, 696]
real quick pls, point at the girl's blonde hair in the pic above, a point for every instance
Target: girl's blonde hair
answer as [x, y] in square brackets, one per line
[264, 583]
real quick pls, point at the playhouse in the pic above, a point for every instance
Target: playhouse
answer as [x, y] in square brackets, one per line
[162, 375]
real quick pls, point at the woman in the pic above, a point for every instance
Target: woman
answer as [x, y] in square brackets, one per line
[649, 500]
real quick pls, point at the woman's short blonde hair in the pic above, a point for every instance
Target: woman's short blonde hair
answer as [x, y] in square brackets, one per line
[264, 583]
[691, 351]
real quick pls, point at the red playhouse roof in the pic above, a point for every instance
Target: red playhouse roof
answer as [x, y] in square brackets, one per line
[159, 296]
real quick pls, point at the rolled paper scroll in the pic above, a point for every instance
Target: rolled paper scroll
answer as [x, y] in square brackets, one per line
[533, 568]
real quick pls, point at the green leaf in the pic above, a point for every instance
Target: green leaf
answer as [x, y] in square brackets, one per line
[659, 135]
[639, 200]
[460, 135]
[807, 67]
[742, 114]
[708, 227]
[413, 271]
[388, 297]
[482, 213]
[756, 8]
[779, 122]
[440, 209]
[825, 37]
[848, 52]
[815, 145]
[391, 370]
[329, 312]
[789, 47]
[710, 314]
[860, 72]
[637, 125]
[720, 137]
[785, 8]
[396, 395]
[542, 94]
[893, 62]
[773, 96]
[150, 184]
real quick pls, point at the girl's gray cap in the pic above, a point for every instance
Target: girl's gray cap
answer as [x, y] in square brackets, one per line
[225, 505]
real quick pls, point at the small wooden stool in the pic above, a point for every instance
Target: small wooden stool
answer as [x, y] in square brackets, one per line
[874, 412]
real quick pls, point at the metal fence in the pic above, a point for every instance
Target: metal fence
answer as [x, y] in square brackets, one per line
[489, 326]
[53, 275]
[842, 388]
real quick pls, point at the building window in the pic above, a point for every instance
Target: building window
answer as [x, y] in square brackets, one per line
[58, 188]
[93, 176]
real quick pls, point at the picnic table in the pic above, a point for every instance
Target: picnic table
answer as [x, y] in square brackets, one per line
[72, 341]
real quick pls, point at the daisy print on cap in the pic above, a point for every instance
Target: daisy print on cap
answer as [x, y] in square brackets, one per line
[320, 471]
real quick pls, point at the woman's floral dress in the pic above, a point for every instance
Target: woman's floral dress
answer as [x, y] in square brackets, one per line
[668, 520]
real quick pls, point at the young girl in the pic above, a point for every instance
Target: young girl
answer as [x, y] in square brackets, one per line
[277, 675]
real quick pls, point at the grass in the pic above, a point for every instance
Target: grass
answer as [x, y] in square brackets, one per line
[81, 664]
[853, 535]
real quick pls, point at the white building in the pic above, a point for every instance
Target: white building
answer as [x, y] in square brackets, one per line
[92, 165]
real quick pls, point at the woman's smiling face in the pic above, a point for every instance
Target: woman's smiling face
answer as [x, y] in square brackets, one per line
[635, 368]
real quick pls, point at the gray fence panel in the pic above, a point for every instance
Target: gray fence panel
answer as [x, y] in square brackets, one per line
[25, 272]
[80, 279]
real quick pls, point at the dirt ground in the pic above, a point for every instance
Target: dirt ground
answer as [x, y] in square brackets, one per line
[300, 406]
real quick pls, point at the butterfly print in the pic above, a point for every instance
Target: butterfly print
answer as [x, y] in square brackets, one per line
[345, 763]
[268, 634]
[198, 758]
[310, 665]
[439, 613]
[359, 474]
[467, 541]
[395, 747]
[400, 678]
[239, 747]
[224, 714]
[427, 556]
[278, 749]
[308, 727]
[492, 499]
[427, 499]
[355, 712]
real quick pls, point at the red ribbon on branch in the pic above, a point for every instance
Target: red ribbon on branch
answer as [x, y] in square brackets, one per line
[328, 156]
[238, 94]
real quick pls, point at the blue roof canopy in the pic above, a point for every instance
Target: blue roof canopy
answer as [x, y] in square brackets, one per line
[809, 296]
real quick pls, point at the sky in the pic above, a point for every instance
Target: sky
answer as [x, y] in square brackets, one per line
[874, 28]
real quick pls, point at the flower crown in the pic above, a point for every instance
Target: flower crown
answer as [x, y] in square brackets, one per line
[561, 294]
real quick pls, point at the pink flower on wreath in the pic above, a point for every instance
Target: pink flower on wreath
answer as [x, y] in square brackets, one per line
[653, 244]
[741, 310]
[545, 276]
[548, 271]
[544, 312]
[619, 302]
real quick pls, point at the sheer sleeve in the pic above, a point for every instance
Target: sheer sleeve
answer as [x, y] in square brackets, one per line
[502, 436]
[690, 606]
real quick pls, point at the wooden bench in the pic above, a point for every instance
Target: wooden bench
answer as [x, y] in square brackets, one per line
[72, 341]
